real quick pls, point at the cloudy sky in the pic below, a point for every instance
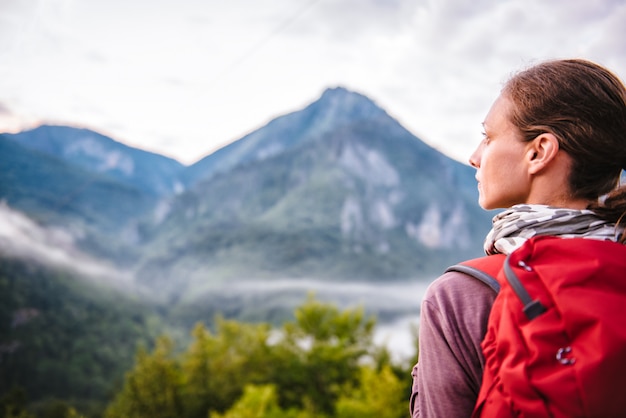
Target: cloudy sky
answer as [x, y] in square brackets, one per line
[185, 77]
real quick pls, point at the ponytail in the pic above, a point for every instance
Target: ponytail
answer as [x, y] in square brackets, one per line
[613, 209]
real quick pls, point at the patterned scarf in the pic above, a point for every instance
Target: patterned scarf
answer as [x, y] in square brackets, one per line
[517, 224]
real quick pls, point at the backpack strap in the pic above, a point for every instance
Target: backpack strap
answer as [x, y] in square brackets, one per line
[532, 308]
[484, 269]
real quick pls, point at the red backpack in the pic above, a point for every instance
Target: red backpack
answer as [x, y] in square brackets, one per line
[556, 337]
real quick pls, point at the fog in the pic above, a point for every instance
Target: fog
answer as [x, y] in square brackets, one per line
[399, 336]
[21, 237]
[394, 304]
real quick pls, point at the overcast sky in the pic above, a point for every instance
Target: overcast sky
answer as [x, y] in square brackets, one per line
[185, 77]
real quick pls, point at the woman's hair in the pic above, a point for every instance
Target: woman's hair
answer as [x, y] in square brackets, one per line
[584, 106]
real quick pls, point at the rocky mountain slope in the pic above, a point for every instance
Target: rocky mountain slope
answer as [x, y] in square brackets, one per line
[338, 190]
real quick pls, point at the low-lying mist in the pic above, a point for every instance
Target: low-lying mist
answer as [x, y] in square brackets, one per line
[21, 237]
[394, 304]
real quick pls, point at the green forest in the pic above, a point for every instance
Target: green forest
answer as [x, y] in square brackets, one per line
[70, 348]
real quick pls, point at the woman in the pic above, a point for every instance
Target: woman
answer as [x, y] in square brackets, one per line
[553, 150]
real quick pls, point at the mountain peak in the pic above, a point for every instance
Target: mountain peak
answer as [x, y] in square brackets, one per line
[335, 109]
[337, 91]
[345, 104]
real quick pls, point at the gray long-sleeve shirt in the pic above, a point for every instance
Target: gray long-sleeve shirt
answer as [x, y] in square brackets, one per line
[453, 322]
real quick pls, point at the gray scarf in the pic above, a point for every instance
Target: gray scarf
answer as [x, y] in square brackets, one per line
[517, 224]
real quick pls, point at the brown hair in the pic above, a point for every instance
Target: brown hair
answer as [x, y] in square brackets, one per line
[584, 106]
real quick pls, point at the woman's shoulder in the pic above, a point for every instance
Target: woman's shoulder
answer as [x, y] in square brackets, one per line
[458, 288]
[458, 305]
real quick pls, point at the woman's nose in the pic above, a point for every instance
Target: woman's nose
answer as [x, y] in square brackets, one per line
[474, 159]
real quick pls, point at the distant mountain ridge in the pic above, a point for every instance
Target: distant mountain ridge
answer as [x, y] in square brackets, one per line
[92, 151]
[101, 213]
[103, 245]
[338, 189]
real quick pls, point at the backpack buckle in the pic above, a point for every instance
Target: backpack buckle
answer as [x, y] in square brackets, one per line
[561, 356]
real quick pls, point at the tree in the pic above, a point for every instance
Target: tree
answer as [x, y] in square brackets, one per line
[260, 402]
[153, 388]
[320, 365]
[379, 395]
[319, 355]
[218, 367]
[13, 404]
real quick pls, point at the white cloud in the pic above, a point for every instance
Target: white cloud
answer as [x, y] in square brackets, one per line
[21, 237]
[185, 77]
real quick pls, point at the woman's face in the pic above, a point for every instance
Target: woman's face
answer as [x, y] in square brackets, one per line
[501, 171]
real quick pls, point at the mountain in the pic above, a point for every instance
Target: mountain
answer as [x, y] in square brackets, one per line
[336, 107]
[338, 190]
[148, 172]
[95, 209]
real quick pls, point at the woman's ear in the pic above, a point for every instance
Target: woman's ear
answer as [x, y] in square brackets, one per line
[542, 151]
